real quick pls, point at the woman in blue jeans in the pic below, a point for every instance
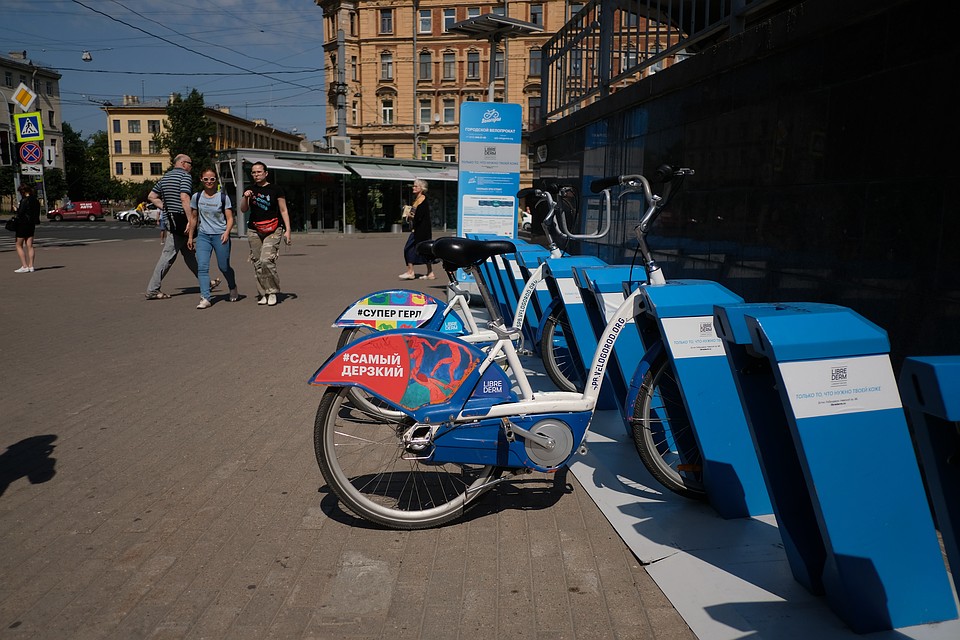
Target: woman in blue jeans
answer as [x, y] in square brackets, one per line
[213, 212]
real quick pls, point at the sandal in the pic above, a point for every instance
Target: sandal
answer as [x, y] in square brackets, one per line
[407, 276]
[159, 295]
[214, 283]
[427, 277]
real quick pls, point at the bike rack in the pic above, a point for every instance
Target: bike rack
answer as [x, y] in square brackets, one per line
[683, 311]
[826, 420]
[930, 388]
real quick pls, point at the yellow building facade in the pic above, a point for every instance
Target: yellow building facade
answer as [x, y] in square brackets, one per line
[134, 156]
[396, 83]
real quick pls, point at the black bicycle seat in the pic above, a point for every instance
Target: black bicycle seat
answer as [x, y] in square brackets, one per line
[463, 252]
[425, 249]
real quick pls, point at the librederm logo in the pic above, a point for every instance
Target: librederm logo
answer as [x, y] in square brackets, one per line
[491, 115]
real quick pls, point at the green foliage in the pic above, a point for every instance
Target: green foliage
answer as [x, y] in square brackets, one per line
[87, 161]
[187, 130]
[54, 184]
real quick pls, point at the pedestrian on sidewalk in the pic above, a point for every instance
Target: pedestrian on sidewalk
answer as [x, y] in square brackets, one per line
[28, 216]
[172, 194]
[421, 229]
[213, 212]
[268, 223]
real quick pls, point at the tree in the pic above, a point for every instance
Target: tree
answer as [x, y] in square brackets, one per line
[54, 185]
[75, 161]
[187, 130]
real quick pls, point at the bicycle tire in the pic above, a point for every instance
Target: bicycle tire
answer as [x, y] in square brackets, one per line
[663, 435]
[559, 361]
[360, 398]
[365, 464]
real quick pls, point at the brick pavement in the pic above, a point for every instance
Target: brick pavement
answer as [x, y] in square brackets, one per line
[185, 501]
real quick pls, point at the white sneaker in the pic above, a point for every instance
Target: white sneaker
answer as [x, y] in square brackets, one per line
[22, 270]
[272, 299]
[30, 269]
[204, 304]
[263, 299]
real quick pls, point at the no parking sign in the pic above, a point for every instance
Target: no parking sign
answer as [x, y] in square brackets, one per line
[31, 153]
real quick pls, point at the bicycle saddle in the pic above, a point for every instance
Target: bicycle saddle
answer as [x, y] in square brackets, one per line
[463, 252]
[425, 249]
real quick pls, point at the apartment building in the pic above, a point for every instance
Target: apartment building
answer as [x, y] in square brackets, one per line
[16, 67]
[402, 73]
[134, 155]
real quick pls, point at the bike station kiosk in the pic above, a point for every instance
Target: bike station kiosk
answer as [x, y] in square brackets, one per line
[825, 416]
[930, 388]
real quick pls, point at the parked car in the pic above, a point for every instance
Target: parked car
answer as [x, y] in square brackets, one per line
[81, 210]
[135, 217]
[526, 220]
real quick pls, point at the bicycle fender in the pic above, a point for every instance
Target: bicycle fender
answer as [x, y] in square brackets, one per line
[423, 373]
[400, 309]
[636, 381]
[556, 302]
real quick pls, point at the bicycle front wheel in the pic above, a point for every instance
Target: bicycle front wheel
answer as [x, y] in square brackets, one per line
[663, 434]
[363, 458]
[559, 359]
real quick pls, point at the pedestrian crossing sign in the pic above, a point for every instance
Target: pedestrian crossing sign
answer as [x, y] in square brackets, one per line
[29, 127]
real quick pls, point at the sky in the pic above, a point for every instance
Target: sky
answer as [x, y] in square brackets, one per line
[262, 59]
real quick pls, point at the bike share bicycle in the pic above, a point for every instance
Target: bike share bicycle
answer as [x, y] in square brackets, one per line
[454, 424]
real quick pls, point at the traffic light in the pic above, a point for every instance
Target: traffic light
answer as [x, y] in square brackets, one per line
[5, 155]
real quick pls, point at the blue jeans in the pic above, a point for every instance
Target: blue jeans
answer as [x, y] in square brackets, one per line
[207, 243]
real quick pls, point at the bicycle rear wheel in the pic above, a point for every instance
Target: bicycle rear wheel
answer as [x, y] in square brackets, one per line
[559, 359]
[663, 434]
[363, 458]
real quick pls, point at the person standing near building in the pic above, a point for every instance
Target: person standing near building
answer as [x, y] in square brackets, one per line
[421, 229]
[214, 214]
[28, 215]
[172, 194]
[268, 223]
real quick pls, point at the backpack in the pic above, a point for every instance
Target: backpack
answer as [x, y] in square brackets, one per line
[223, 202]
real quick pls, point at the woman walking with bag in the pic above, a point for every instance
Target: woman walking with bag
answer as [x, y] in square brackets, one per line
[267, 204]
[214, 213]
[421, 229]
[28, 215]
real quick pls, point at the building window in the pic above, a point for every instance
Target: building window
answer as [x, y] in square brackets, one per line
[473, 65]
[536, 14]
[50, 122]
[136, 168]
[156, 168]
[118, 168]
[425, 151]
[426, 65]
[353, 69]
[574, 8]
[8, 78]
[449, 110]
[535, 58]
[117, 146]
[133, 126]
[449, 19]
[497, 11]
[353, 23]
[473, 12]
[426, 112]
[449, 66]
[386, 20]
[533, 112]
[152, 147]
[498, 64]
[388, 151]
[116, 126]
[136, 147]
[354, 110]
[426, 21]
[386, 111]
[153, 126]
[386, 66]
[449, 154]
[49, 86]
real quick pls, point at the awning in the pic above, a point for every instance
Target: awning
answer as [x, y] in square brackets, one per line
[372, 171]
[313, 166]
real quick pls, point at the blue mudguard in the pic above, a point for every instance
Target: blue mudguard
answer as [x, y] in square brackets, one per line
[401, 309]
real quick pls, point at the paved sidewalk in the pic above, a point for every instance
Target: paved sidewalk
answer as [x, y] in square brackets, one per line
[157, 475]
